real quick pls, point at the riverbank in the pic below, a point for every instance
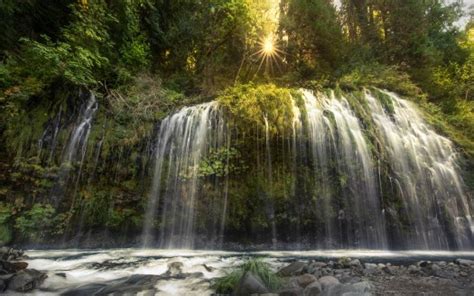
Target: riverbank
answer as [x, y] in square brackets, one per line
[186, 272]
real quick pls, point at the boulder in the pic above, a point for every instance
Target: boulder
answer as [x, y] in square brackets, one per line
[355, 263]
[132, 285]
[249, 284]
[294, 268]
[327, 282]
[464, 262]
[306, 279]
[313, 289]
[12, 267]
[174, 268]
[370, 266]
[26, 280]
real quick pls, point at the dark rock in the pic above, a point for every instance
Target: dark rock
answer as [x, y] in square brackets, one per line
[61, 274]
[11, 267]
[209, 268]
[328, 281]
[388, 270]
[344, 262]
[306, 279]
[313, 289]
[294, 268]
[3, 285]
[174, 268]
[26, 280]
[464, 262]
[291, 292]
[249, 284]
[124, 286]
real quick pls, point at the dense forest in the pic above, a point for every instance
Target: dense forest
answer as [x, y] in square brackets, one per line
[121, 67]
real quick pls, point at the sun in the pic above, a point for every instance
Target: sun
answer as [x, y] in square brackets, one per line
[268, 47]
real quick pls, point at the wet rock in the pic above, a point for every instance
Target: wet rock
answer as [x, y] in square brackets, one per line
[26, 280]
[328, 281]
[294, 268]
[137, 283]
[60, 274]
[306, 279]
[313, 289]
[208, 268]
[250, 284]
[174, 268]
[12, 267]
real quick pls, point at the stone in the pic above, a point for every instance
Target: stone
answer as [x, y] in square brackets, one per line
[388, 270]
[174, 268]
[132, 285]
[3, 285]
[344, 262]
[306, 279]
[294, 268]
[362, 287]
[328, 281]
[291, 292]
[249, 284]
[12, 267]
[359, 289]
[26, 280]
[355, 263]
[465, 262]
[380, 265]
[313, 289]
[370, 266]
[413, 269]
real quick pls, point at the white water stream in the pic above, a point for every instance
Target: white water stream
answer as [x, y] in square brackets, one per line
[83, 267]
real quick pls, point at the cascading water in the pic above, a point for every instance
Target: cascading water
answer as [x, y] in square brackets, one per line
[426, 175]
[184, 138]
[75, 149]
[346, 188]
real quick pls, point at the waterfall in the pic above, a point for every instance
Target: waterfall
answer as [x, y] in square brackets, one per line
[425, 169]
[183, 139]
[75, 150]
[354, 161]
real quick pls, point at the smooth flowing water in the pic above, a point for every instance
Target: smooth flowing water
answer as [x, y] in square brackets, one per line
[75, 150]
[69, 269]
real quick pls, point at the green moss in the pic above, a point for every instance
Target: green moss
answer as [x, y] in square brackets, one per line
[249, 105]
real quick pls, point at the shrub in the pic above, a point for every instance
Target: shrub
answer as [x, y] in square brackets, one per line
[227, 283]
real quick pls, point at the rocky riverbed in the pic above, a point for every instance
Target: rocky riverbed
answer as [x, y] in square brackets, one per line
[184, 272]
[351, 277]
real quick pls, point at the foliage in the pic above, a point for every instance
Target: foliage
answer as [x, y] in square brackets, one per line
[37, 223]
[227, 284]
[385, 77]
[255, 106]
[221, 162]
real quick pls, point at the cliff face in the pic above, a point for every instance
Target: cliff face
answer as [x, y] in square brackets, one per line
[258, 167]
